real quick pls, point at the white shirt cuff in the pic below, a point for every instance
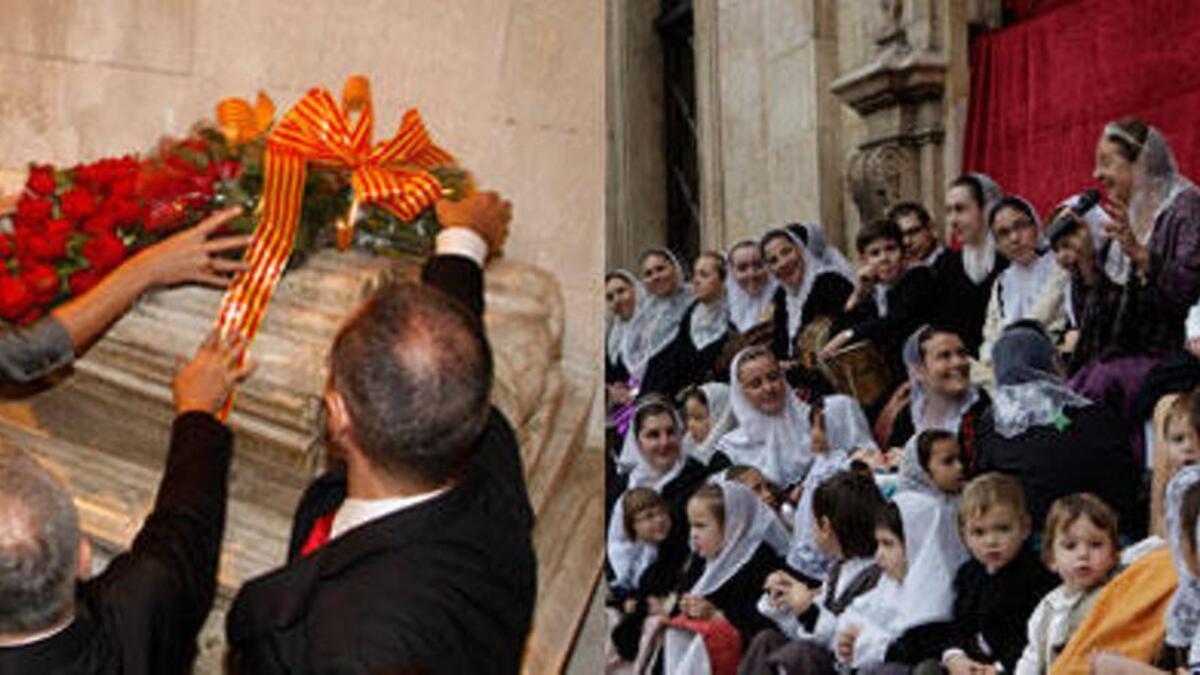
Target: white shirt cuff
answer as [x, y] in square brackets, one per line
[462, 241]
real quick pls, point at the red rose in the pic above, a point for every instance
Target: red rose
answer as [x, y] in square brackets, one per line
[29, 317]
[163, 216]
[77, 203]
[228, 169]
[126, 187]
[8, 245]
[43, 246]
[43, 282]
[104, 252]
[59, 227]
[15, 299]
[32, 211]
[41, 179]
[81, 281]
[101, 223]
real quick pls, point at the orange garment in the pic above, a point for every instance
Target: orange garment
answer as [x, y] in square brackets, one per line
[1128, 617]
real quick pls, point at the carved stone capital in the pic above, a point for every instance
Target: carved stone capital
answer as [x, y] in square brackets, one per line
[880, 176]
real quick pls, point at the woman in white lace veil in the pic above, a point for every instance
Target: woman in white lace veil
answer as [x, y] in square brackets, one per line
[1183, 614]
[645, 471]
[938, 397]
[710, 315]
[797, 274]
[625, 295]
[1028, 389]
[748, 287]
[1156, 183]
[657, 322]
[713, 398]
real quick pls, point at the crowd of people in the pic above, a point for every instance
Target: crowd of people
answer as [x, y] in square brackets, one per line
[411, 554]
[967, 456]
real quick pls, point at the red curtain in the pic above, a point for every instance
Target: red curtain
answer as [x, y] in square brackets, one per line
[1043, 89]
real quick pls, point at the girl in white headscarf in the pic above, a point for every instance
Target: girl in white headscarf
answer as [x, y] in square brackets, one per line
[709, 416]
[737, 541]
[1032, 287]
[939, 392]
[774, 432]
[748, 286]
[807, 289]
[657, 322]
[969, 278]
[624, 296]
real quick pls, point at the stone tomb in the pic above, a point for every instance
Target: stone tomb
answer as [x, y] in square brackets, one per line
[105, 426]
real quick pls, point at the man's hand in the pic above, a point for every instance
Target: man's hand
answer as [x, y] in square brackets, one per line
[484, 212]
[203, 384]
[188, 255]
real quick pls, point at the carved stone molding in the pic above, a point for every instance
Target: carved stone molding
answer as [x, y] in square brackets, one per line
[880, 176]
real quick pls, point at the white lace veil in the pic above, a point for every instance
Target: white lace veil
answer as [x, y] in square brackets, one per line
[721, 420]
[618, 329]
[1183, 614]
[796, 297]
[805, 556]
[979, 261]
[934, 552]
[777, 445]
[745, 310]
[748, 524]
[1156, 183]
[657, 323]
[1027, 391]
[831, 258]
[923, 402]
[710, 320]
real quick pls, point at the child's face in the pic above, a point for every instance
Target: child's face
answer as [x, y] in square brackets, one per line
[995, 535]
[945, 466]
[652, 525]
[758, 484]
[1183, 447]
[706, 533]
[889, 553]
[825, 538]
[698, 422]
[1083, 554]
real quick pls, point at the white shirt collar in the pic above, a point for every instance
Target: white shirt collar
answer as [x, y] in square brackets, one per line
[355, 512]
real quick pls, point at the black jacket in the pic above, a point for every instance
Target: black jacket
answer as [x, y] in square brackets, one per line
[446, 586]
[142, 614]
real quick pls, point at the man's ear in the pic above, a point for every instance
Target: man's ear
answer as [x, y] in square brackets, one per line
[338, 423]
[83, 558]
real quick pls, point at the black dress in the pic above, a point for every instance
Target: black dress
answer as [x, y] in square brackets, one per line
[911, 303]
[903, 427]
[997, 607]
[1090, 454]
[961, 303]
[681, 364]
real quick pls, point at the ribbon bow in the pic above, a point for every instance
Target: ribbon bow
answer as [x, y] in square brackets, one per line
[240, 123]
[393, 175]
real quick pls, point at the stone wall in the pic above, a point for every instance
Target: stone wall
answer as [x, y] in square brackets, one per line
[513, 87]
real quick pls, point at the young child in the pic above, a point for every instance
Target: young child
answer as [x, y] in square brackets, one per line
[1080, 545]
[737, 542]
[996, 591]
[1180, 447]
[706, 412]
[873, 619]
[805, 556]
[643, 571]
[756, 482]
[844, 509]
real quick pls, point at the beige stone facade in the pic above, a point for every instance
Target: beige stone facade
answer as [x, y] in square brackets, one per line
[808, 110]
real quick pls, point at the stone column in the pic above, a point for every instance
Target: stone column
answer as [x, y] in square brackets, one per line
[899, 94]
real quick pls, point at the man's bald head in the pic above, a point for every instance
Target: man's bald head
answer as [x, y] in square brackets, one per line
[415, 371]
[39, 545]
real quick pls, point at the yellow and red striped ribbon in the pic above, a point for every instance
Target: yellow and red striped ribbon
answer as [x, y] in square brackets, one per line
[393, 175]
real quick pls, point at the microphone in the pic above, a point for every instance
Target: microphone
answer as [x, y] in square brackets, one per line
[1086, 201]
[1067, 220]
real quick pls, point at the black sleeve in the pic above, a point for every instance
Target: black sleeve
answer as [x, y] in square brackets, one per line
[913, 302]
[161, 590]
[781, 342]
[828, 297]
[457, 276]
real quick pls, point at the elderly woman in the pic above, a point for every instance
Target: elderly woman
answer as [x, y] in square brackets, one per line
[1031, 287]
[967, 278]
[1053, 440]
[1154, 256]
